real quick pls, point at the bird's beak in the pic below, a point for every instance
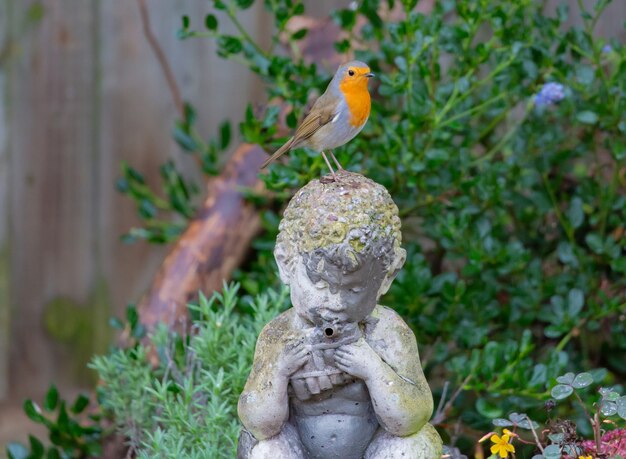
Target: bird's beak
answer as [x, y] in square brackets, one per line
[370, 74]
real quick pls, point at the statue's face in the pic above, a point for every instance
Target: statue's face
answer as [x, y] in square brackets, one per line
[324, 294]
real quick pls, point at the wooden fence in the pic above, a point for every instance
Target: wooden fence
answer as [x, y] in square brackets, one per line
[82, 91]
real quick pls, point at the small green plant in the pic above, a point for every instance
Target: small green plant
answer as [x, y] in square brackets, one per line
[185, 407]
[599, 410]
[71, 433]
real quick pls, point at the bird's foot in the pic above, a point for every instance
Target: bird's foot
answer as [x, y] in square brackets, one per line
[330, 178]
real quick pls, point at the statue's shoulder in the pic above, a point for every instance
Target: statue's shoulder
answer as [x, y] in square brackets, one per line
[387, 317]
[385, 324]
[280, 329]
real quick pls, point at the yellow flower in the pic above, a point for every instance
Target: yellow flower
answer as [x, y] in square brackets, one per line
[501, 445]
[585, 457]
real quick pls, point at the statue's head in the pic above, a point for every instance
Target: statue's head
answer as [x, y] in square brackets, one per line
[339, 248]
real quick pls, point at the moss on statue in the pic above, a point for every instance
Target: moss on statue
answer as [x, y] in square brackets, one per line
[355, 208]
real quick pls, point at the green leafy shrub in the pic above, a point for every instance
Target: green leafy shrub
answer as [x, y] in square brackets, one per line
[71, 433]
[499, 130]
[186, 407]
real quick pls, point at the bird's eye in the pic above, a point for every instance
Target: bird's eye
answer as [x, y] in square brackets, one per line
[351, 72]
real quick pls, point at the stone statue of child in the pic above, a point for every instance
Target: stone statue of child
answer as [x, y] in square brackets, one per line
[338, 376]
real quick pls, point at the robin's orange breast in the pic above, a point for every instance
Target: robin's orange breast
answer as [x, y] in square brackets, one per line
[358, 101]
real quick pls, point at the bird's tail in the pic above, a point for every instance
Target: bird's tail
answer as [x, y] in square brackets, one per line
[281, 151]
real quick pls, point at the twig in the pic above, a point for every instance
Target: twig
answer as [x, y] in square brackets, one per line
[440, 416]
[165, 66]
[530, 423]
[444, 392]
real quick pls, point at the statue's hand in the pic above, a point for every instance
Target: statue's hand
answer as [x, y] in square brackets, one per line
[358, 359]
[292, 358]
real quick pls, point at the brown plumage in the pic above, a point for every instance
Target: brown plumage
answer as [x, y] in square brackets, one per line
[321, 113]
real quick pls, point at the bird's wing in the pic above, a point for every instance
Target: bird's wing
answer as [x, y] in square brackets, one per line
[322, 113]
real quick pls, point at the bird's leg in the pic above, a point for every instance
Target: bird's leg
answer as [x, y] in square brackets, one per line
[332, 155]
[332, 172]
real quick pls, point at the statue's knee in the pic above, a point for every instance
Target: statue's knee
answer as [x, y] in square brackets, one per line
[429, 442]
[284, 445]
[425, 444]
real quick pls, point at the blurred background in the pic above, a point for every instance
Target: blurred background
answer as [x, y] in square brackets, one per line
[81, 91]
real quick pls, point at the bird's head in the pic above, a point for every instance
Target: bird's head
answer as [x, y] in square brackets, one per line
[353, 76]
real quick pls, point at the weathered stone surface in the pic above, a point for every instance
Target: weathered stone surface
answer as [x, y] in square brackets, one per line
[337, 375]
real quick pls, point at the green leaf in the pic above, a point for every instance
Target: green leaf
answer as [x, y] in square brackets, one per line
[185, 20]
[621, 407]
[244, 4]
[184, 139]
[566, 254]
[437, 154]
[561, 391]
[219, 4]
[525, 424]
[599, 374]
[300, 34]
[229, 45]
[567, 378]
[17, 451]
[409, 5]
[556, 437]
[552, 452]
[608, 408]
[575, 213]
[587, 117]
[36, 447]
[582, 380]
[132, 315]
[488, 409]
[575, 302]
[116, 323]
[63, 419]
[52, 397]
[539, 376]
[345, 18]
[210, 22]
[292, 119]
[147, 209]
[225, 133]
[81, 402]
[594, 241]
[33, 411]
[585, 74]
[516, 418]
[501, 422]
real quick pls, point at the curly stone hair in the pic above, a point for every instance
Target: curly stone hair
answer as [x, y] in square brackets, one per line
[341, 222]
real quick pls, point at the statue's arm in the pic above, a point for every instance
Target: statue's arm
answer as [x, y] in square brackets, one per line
[400, 394]
[264, 404]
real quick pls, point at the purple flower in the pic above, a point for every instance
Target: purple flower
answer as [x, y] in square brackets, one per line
[613, 443]
[550, 94]
[606, 49]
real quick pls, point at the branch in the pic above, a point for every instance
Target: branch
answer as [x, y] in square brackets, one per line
[163, 62]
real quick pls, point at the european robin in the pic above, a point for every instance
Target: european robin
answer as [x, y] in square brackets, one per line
[336, 117]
